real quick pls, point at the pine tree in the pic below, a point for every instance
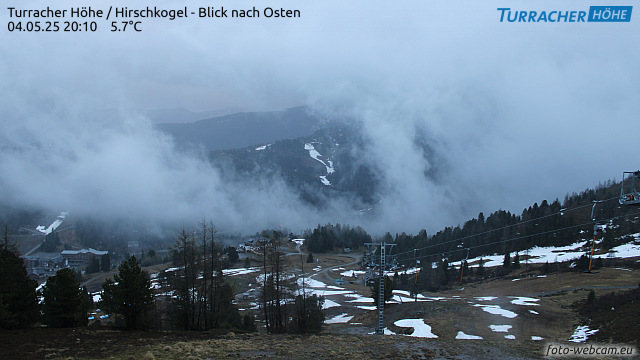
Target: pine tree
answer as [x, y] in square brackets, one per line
[583, 262]
[129, 294]
[310, 258]
[18, 301]
[481, 267]
[308, 315]
[232, 253]
[105, 262]
[249, 323]
[94, 266]
[507, 261]
[63, 300]
[86, 304]
[388, 290]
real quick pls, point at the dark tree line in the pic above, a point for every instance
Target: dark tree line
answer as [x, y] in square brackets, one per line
[64, 304]
[326, 238]
[609, 300]
[203, 299]
[537, 225]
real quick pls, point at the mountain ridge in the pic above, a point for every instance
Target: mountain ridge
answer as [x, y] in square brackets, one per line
[243, 129]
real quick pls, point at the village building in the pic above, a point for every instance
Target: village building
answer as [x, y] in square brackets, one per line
[41, 265]
[253, 244]
[76, 258]
[42, 259]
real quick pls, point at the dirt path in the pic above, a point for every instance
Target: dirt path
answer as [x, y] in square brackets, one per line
[324, 273]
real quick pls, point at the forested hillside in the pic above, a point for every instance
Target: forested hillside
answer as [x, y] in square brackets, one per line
[339, 169]
[545, 224]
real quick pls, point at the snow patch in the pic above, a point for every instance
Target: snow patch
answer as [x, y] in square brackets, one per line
[318, 288]
[500, 328]
[316, 156]
[497, 310]
[464, 336]
[401, 296]
[402, 292]
[626, 250]
[312, 283]
[540, 255]
[239, 271]
[510, 337]
[54, 225]
[420, 328]
[324, 180]
[329, 304]
[386, 332]
[352, 272]
[361, 299]
[581, 334]
[524, 301]
[340, 319]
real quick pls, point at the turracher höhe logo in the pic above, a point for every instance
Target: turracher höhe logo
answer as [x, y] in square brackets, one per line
[595, 14]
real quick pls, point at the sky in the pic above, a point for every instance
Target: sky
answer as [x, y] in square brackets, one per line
[517, 112]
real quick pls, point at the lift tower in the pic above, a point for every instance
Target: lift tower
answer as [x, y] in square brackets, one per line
[385, 260]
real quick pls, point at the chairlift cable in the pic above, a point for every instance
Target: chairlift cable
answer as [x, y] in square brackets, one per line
[560, 212]
[515, 238]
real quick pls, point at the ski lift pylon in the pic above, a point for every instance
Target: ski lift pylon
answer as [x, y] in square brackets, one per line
[630, 188]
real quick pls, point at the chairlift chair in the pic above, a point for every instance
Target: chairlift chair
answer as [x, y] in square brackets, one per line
[630, 188]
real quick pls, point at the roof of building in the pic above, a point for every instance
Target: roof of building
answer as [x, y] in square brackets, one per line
[84, 251]
[42, 255]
